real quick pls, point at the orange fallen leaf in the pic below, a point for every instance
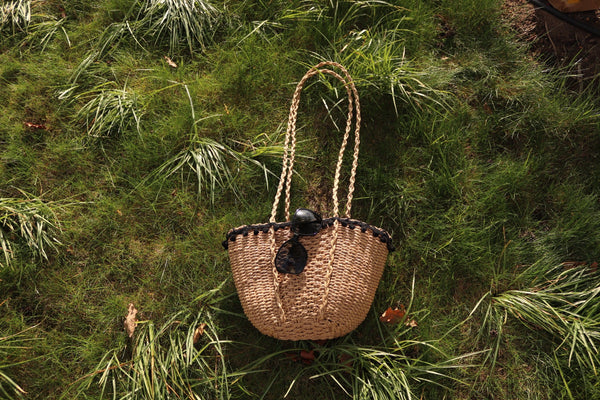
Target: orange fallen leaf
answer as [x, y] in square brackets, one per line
[393, 316]
[306, 357]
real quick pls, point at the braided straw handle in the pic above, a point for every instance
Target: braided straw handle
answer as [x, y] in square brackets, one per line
[288, 165]
[290, 148]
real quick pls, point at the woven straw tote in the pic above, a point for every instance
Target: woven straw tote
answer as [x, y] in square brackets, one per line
[333, 294]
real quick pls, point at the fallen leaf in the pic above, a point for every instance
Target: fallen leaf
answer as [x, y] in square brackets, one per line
[199, 332]
[170, 62]
[35, 126]
[412, 323]
[393, 316]
[130, 320]
[306, 357]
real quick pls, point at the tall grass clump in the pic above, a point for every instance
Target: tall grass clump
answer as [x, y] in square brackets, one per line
[178, 23]
[207, 160]
[109, 111]
[402, 370]
[379, 61]
[170, 26]
[373, 40]
[15, 16]
[41, 33]
[30, 222]
[30, 18]
[560, 303]
[184, 357]
[214, 165]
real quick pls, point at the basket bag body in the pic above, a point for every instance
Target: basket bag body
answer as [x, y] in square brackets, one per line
[344, 259]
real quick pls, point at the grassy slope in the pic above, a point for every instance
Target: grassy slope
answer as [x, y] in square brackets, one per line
[481, 163]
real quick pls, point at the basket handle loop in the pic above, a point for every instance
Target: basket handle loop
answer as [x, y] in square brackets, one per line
[290, 140]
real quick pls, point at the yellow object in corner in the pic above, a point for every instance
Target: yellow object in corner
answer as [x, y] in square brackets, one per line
[575, 5]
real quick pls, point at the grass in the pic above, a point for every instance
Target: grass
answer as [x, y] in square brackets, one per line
[109, 111]
[479, 160]
[187, 356]
[561, 302]
[189, 23]
[15, 16]
[9, 345]
[168, 25]
[30, 222]
[181, 358]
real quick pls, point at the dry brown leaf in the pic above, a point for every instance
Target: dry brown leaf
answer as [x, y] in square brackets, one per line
[307, 357]
[199, 332]
[393, 316]
[412, 323]
[170, 62]
[130, 320]
[35, 126]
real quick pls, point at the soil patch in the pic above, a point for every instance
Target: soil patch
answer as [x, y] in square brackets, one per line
[556, 41]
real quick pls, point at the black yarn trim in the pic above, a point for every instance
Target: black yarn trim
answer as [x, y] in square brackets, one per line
[383, 236]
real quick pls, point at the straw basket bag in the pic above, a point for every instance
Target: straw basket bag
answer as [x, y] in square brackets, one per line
[335, 267]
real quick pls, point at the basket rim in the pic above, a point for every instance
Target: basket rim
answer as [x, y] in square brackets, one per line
[350, 223]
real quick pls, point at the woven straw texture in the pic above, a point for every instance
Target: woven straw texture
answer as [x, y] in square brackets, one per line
[358, 263]
[333, 294]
